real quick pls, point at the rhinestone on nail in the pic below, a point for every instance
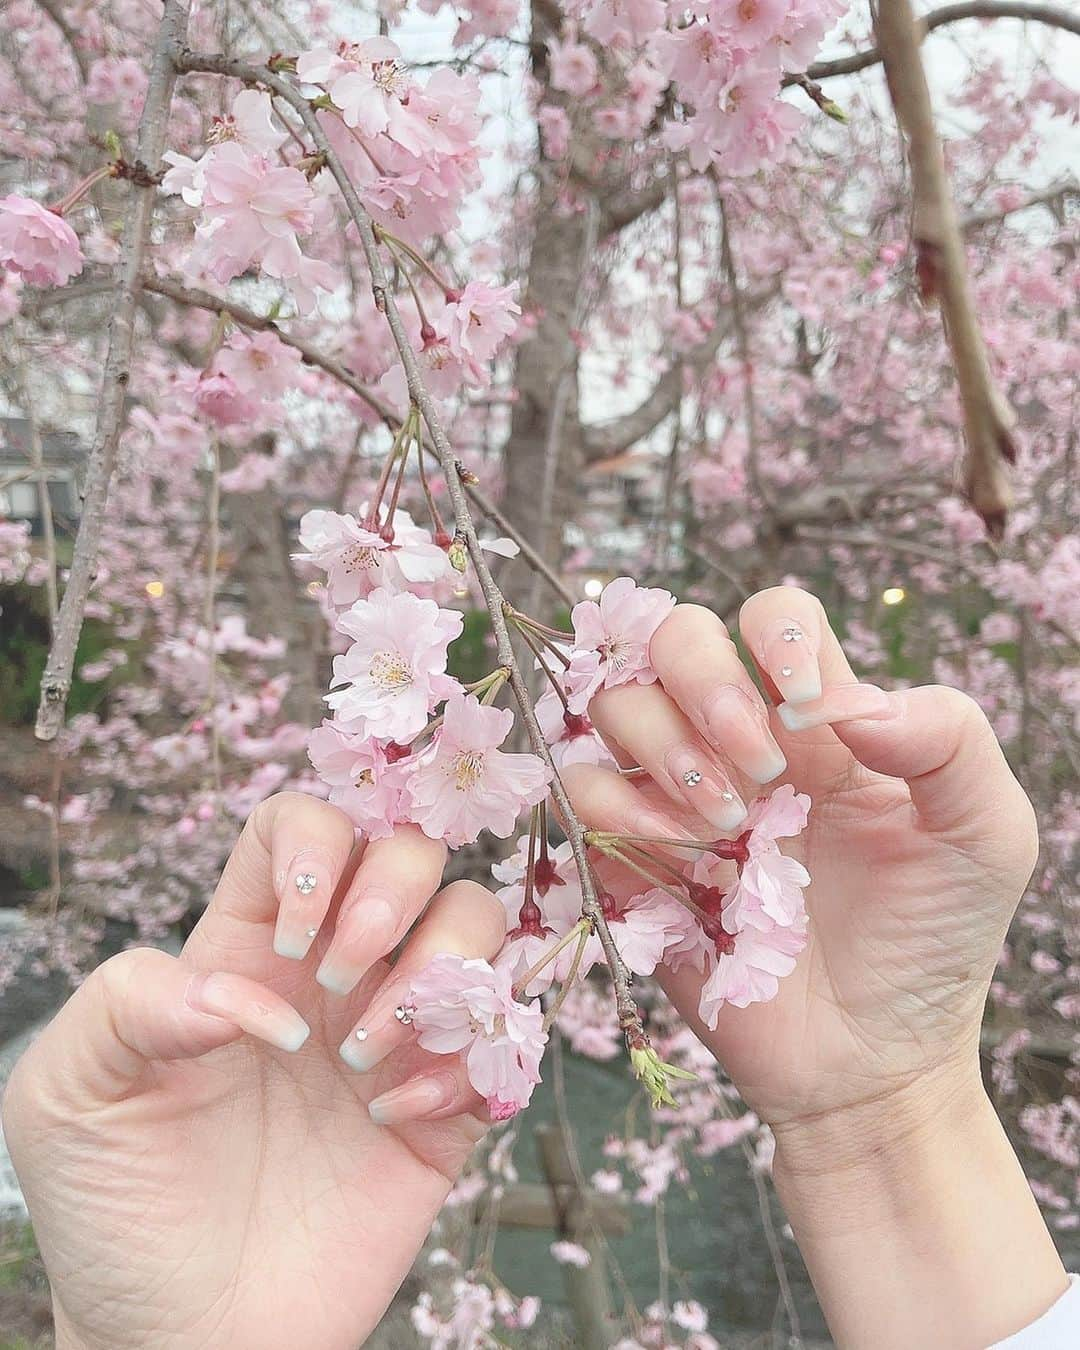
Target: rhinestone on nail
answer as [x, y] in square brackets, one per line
[404, 1014]
[361, 1033]
[306, 882]
[792, 633]
[728, 796]
[691, 777]
[312, 932]
[785, 671]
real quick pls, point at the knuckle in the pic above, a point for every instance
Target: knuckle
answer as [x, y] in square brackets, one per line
[486, 915]
[684, 624]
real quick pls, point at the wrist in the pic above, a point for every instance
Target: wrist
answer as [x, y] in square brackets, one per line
[915, 1219]
[889, 1135]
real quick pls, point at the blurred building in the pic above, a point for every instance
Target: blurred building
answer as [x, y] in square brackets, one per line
[63, 461]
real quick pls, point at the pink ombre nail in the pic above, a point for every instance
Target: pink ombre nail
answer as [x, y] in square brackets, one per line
[847, 703]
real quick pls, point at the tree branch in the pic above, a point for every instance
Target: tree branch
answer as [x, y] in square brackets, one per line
[942, 271]
[629, 1017]
[247, 318]
[972, 9]
[56, 681]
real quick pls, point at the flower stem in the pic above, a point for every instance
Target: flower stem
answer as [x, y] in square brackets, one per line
[583, 926]
[568, 983]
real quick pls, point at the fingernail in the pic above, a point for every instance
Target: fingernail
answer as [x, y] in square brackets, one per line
[302, 902]
[844, 704]
[659, 827]
[413, 1100]
[791, 661]
[705, 788]
[384, 1027]
[736, 727]
[366, 932]
[217, 995]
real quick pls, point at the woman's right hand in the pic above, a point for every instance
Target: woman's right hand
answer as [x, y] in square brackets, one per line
[200, 1171]
[920, 842]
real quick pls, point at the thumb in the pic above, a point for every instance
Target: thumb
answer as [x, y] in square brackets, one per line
[939, 741]
[145, 1005]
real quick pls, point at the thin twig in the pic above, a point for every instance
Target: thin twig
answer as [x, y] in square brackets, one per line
[188, 61]
[56, 681]
[312, 356]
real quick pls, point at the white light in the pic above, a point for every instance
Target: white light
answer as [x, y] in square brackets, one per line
[593, 587]
[894, 595]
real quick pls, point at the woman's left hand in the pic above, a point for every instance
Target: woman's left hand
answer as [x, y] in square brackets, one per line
[199, 1170]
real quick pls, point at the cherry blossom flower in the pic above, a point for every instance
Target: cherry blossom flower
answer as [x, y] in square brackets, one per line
[479, 317]
[458, 1004]
[769, 890]
[573, 67]
[618, 22]
[358, 560]
[534, 926]
[220, 401]
[748, 967]
[259, 364]
[395, 671]
[253, 211]
[571, 737]
[612, 636]
[36, 243]
[649, 925]
[463, 784]
[366, 779]
[570, 1254]
[373, 91]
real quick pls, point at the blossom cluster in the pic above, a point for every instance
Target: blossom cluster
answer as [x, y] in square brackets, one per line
[382, 755]
[385, 760]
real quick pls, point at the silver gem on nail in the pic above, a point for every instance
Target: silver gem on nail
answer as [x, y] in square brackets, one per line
[728, 796]
[785, 671]
[404, 1014]
[691, 777]
[306, 882]
[792, 633]
[311, 932]
[361, 1033]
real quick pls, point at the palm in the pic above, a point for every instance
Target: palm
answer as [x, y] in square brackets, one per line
[246, 1186]
[266, 1182]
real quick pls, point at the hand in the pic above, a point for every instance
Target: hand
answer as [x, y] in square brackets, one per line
[906, 1199]
[919, 843]
[200, 1171]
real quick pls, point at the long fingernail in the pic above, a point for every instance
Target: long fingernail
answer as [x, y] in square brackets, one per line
[366, 932]
[302, 901]
[384, 1026]
[705, 789]
[736, 728]
[655, 826]
[844, 704]
[217, 995]
[413, 1100]
[789, 657]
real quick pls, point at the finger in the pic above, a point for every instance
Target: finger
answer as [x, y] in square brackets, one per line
[787, 632]
[647, 724]
[464, 919]
[700, 668]
[939, 740]
[144, 1005]
[604, 800]
[394, 881]
[282, 873]
[433, 1094]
